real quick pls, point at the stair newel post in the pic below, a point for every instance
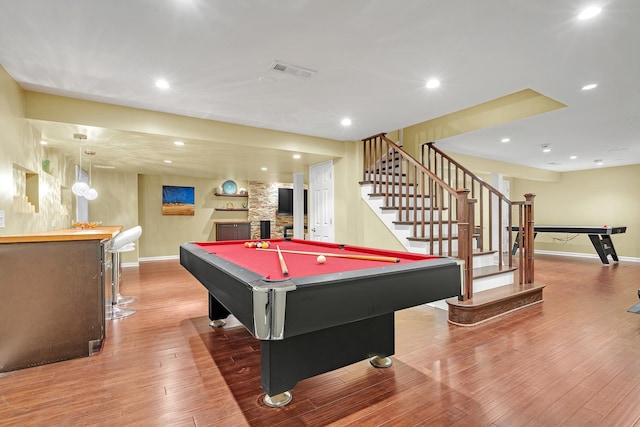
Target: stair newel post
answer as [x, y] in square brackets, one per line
[366, 160]
[509, 234]
[529, 237]
[464, 209]
[520, 238]
[424, 191]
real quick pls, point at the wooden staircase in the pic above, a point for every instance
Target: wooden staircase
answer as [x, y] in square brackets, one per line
[418, 203]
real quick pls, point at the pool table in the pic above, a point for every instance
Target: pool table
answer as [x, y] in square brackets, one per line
[317, 317]
[600, 237]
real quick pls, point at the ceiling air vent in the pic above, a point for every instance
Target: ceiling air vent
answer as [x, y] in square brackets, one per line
[293, 70]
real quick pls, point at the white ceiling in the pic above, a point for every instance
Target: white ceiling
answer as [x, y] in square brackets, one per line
[372, 59]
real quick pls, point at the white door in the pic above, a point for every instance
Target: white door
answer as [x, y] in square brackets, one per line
[321, 202]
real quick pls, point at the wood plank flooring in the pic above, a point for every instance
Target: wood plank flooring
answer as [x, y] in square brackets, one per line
[573, 360]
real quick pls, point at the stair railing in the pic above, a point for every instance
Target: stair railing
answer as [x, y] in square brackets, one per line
[443, 202]
[432, 207]
[491, 206]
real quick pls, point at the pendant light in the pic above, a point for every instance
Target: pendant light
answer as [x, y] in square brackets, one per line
[79, 188]
[91, 193]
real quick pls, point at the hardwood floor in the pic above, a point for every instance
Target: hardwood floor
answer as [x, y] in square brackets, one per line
[572, 360]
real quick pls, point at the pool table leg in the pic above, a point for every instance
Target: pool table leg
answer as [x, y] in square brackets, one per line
[217, 313]
[285, 362]
[381, 362]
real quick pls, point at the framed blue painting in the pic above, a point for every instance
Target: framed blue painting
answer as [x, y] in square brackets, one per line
[178, 200]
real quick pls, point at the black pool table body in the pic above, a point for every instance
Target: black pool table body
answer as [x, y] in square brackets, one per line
[600, 237]
[314, 324]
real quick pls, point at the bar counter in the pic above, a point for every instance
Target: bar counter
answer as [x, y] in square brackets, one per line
[53, 291]
[97, 233]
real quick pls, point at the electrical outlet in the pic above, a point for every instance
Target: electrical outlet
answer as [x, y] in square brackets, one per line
[2, 219]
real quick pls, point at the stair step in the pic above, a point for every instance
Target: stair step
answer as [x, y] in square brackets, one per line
[489, 304]
[426, 209]
[491, 270]
[426, 196]
[428, 239]
[426, 224]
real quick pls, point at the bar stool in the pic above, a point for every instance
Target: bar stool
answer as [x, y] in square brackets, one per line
[123, 242]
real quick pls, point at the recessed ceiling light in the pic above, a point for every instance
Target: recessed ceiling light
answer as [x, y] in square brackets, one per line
[505, 140]
[178, 143]
[573, 157]
[432, 83]
[346, 122]
[296, 156]
[590, 86]
[598, 162]
[546, 148]
[162, 84]
[263, 168]
[43, 142]
[589, 13]
[168, 161]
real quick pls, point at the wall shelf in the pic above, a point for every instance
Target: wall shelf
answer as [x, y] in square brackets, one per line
[232, 209]
[230, 195]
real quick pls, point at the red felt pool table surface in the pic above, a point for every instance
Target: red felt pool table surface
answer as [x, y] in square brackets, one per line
[267, 264]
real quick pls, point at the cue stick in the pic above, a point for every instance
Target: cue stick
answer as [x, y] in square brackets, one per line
[363, 257]
[283, 265]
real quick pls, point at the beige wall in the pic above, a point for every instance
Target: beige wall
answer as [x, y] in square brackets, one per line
[163, 234]
[607, 196]
[356, 223]
[117, 203]
[21, 154]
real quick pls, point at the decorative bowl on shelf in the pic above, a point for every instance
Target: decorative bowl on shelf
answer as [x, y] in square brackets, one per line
[229, 187]
[242, 191]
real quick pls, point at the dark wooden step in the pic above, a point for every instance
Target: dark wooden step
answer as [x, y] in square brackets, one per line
[489, 304]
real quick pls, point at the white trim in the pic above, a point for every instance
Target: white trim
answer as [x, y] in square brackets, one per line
[130, 264]
[160, 258]
[581, 255]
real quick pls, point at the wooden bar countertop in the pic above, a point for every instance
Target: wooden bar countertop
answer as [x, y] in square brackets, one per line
[65, 234]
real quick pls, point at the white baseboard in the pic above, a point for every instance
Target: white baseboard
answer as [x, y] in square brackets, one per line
[153, 258]
[130, 264]
[581, 255]
[160, 258]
